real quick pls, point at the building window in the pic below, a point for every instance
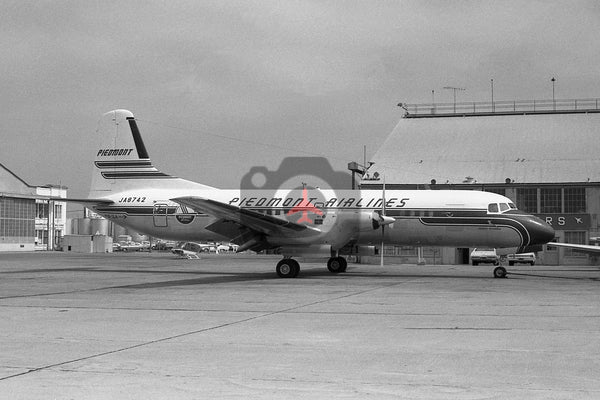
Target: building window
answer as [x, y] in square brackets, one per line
[41, 237]
[58, 211]
[17, 221]
[41, 210]
[550, 201]
[575, 200]
[527, 199]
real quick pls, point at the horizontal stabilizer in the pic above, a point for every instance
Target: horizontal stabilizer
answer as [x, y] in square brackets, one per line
[85, 202]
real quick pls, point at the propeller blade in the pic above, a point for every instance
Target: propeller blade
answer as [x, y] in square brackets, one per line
[383, 220]
[381, 250]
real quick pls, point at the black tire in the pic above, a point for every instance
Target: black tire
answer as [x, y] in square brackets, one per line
[288, 268]
[337, 264]
[475, 263]
[344, 264]
[499, 272]
[511, 263]
[296, 268]
[532, 263]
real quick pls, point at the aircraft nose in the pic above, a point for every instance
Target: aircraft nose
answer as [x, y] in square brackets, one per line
[539, 231]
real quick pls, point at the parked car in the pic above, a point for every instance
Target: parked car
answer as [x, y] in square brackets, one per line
[130, 246]
[163, 245]
[523, 258]
[484, 255]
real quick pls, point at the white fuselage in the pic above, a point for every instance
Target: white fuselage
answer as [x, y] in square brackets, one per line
[423, 217]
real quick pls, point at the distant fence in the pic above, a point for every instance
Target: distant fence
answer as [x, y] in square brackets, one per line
[501, 107]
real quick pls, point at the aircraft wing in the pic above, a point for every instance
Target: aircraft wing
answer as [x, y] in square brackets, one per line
[255, 221]
[585, 248]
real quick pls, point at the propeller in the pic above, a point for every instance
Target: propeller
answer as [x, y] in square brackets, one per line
[382, 225]
[383, 221]
[380, 220]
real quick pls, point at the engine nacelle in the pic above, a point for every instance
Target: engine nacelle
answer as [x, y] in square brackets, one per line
[370, 221]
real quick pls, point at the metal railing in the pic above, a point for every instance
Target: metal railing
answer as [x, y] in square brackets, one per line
[501, 107]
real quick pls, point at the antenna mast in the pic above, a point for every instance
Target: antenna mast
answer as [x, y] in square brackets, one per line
[454, 90]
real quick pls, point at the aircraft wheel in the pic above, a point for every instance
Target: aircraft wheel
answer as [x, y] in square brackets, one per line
[288, 268]
[337, 264]
[499, 272]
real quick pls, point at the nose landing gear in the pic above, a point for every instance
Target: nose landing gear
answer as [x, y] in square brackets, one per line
[500, 272]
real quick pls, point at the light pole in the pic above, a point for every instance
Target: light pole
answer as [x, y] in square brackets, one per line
[553, 100]
[493, 107]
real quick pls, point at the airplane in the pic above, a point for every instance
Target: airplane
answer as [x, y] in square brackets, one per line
[129, 190]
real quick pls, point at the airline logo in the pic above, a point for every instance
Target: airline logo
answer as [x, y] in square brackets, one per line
[113, 152]
[357, 202]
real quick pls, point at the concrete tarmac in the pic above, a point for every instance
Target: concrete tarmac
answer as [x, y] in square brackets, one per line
[151, 326]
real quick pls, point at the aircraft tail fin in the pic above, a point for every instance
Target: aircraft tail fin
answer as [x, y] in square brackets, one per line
[122, 161]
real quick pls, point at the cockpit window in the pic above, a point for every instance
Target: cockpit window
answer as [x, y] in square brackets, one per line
[512, 206]
[493, 208]
[503, 207]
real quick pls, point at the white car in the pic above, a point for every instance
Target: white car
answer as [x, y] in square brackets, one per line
[484, 255]
[523, 258]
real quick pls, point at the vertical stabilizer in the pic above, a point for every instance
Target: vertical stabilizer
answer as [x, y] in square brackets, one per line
[122, 162]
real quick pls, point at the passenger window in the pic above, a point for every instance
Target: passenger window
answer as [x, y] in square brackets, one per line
[503, 207]
[493, 208]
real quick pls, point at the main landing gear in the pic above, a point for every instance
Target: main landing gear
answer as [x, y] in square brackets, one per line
[337, 264]
[290, 268]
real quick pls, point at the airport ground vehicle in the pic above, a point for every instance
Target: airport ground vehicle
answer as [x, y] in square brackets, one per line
[484, 255]
[523, 258]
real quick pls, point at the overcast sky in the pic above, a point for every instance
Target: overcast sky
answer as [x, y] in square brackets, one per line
[219, 87]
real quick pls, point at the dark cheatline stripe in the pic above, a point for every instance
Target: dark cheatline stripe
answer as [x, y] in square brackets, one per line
[132, 210]
[416, 212]
[136, 175]
[140, 211]
[124, 164]
[491, 221]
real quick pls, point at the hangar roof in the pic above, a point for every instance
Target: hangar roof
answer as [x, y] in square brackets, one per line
[12, 185]
[546, 147]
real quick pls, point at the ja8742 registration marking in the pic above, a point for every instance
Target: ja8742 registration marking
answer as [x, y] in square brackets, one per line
[133, 199]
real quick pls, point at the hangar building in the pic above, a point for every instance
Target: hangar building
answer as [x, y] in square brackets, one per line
[27, 221]
[542, 154]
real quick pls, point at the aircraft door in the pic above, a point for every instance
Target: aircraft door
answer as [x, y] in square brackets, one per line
[159, 213]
